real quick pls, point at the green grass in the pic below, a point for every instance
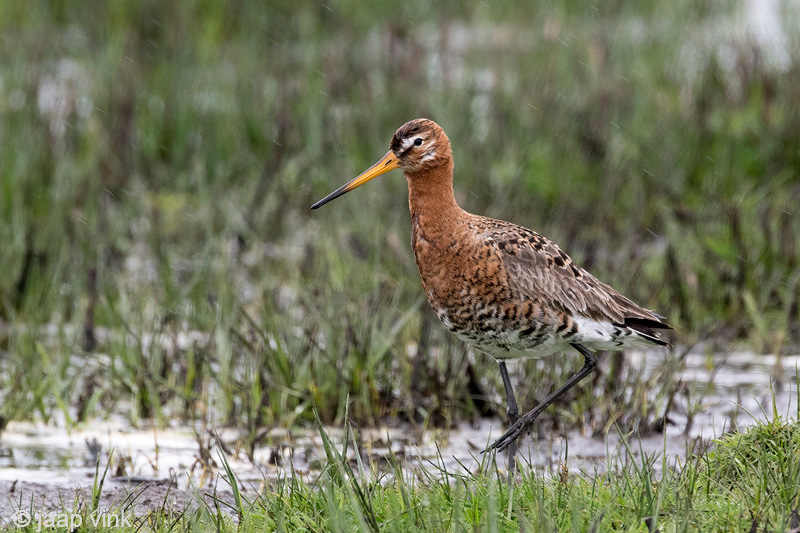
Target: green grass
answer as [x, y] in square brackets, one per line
[747, 480]
[165, 194]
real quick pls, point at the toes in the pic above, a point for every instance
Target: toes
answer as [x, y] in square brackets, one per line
[501, 443]
[510, 436]
[496, 445]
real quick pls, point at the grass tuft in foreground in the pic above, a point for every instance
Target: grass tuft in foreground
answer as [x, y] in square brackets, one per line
[747, 480]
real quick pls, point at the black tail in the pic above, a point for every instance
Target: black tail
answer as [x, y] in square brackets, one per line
[645, 327]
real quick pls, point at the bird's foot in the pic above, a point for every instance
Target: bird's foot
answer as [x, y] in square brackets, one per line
[514, 432]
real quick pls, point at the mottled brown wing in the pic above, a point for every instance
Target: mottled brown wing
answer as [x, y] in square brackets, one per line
[540, 270]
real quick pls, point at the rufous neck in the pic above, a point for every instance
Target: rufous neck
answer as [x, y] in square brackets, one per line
[430, 195]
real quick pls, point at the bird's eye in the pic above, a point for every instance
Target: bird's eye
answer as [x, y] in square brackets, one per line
[418, 141]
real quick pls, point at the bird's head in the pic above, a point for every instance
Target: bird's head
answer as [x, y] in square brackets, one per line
[418, 146]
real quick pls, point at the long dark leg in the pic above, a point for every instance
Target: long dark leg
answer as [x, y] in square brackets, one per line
[516, 430]
[513, 416]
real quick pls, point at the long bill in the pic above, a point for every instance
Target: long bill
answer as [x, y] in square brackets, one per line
[384, 165]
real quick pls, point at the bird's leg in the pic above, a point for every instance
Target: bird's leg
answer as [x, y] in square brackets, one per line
[516, 430]
[513, 416]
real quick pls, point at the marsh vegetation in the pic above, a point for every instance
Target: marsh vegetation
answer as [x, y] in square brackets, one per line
[160, 263]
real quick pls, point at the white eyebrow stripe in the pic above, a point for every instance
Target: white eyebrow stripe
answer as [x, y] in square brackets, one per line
[407, 142]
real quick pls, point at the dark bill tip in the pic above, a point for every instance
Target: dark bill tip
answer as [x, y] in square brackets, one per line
[332, 196]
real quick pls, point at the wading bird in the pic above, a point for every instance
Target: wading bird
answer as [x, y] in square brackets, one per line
[502, 288]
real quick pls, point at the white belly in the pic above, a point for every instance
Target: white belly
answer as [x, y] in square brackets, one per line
[505, 344]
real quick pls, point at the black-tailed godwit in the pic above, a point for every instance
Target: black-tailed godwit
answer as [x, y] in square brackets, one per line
[503, 288]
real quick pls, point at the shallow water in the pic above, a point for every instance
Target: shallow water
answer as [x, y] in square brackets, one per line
[735, 388]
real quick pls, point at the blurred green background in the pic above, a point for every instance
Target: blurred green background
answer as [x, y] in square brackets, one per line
[157, 161]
